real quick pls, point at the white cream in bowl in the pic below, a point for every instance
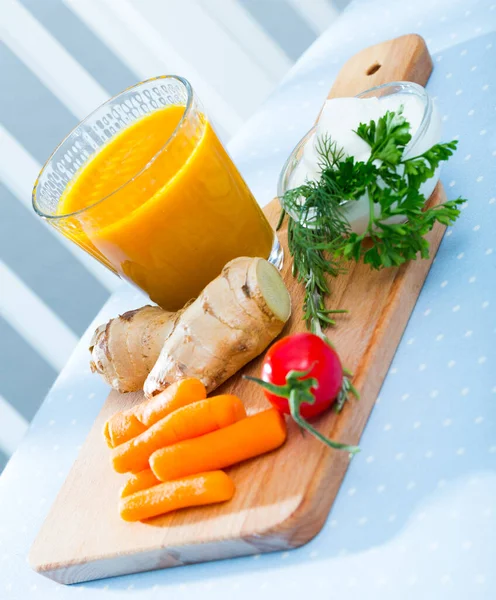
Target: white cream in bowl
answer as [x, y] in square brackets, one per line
[340, 117]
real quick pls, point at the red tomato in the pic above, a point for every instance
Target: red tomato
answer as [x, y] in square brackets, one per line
[304, 352]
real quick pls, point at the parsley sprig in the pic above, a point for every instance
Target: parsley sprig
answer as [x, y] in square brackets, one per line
[320, 238]
[394, 191]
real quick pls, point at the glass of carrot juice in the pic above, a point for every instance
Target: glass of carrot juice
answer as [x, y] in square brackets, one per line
[144, 185]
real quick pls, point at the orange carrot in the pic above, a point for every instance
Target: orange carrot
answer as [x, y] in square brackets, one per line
[184, 423]
[139, 481]
[245, 439]
[123, 425]
[127, 424]
[197, 490]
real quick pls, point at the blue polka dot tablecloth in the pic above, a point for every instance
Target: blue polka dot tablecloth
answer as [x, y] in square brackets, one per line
[416, 515]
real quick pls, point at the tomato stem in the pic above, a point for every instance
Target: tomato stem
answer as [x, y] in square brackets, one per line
[298, 391]
[295, 402]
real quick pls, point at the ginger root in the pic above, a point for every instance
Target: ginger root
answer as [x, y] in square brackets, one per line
[125, 349]
[233, 320]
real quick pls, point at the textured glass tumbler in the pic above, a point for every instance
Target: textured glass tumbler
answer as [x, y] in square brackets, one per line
[144, 185]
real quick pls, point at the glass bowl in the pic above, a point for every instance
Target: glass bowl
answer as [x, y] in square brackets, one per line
[427, 134]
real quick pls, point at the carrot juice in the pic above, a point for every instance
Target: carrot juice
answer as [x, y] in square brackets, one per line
[161, 204]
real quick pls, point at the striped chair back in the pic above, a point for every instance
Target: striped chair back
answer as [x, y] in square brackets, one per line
[59, 60]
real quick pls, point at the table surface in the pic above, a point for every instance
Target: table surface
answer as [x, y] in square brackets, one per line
[416, 515]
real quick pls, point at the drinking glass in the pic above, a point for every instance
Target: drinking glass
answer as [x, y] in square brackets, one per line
[144, 185]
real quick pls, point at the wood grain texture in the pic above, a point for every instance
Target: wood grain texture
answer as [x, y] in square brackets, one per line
[281, 502]
[402, 59]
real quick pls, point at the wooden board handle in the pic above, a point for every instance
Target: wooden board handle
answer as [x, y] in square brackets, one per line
[405, 58]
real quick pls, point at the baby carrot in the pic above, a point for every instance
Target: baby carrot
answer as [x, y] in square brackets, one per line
[245, 439]
[123, 425]
[197, 490]
[187, 422]
[180, 393]
[127, 424]
[139, 481]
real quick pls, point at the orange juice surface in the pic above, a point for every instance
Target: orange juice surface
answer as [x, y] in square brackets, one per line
[167, 216]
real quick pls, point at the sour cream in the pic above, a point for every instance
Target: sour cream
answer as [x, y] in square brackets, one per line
[339, 119]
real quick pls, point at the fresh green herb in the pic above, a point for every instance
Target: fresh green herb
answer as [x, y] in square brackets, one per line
[319, 235]
[347, 388]
[313, 227]
[395, 192]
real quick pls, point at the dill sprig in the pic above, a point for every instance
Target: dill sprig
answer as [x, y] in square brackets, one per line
[320, 238]
[312, 227]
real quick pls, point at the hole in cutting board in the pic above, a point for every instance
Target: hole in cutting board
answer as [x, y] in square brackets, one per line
[373, 69]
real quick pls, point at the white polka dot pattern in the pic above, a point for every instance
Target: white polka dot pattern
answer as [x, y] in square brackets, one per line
[415, 516]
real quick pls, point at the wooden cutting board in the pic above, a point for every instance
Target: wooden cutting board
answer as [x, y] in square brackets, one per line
[282, 499]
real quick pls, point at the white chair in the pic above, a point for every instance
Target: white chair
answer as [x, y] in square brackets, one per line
[63, 58]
